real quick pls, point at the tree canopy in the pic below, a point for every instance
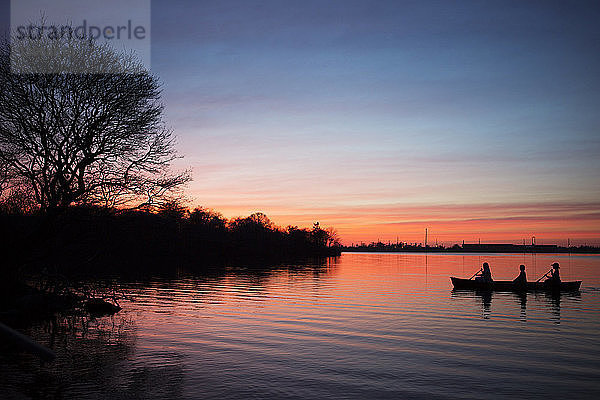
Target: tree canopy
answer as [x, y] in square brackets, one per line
[74, 137]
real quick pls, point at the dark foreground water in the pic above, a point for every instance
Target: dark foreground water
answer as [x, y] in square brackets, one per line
[361, 326]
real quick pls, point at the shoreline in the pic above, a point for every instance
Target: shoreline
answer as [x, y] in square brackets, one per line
[588, 251]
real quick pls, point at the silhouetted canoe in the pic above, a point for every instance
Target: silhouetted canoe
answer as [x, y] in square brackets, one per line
[460, 283]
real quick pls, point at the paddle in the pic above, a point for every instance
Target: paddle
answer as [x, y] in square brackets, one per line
[480, 269]
[545, 275]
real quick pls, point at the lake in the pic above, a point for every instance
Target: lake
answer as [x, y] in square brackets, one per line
[358, 326]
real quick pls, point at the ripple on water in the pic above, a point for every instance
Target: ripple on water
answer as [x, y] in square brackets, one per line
[364, 326]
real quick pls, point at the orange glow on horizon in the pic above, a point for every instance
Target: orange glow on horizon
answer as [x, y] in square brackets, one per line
[447, 224]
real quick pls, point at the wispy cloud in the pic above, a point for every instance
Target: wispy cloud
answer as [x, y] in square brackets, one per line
[382, 117]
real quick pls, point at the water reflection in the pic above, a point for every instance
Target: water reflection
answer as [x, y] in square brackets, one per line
[103, 358]
[361, 326]
[522, 299]
[486, 302]
[551, 300]
[93, 356]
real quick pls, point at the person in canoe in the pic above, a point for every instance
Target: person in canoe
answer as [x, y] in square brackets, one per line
[484, 274]
[522, 278]
[553, 275]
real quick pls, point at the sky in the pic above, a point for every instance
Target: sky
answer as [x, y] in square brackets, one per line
[476, 120]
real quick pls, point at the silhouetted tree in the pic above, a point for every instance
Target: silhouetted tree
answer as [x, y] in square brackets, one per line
[207, 218]
[319, 236]
[257, 222]
[74, 137]
[17, 200]
[173, 209]
[333, 239]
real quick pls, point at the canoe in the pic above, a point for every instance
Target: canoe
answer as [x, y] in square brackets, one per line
[460, 283]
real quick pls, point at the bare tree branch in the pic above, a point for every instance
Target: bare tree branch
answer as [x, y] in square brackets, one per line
[70, 138]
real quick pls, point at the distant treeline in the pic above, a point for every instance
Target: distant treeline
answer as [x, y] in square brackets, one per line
[90, 239]
[469, 248]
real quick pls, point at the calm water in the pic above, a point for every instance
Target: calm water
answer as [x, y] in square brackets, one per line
[356, 327]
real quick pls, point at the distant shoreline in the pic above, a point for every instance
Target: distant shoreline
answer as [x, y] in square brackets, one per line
[473, 249]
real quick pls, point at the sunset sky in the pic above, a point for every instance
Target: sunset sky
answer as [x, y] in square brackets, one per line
[473, 119]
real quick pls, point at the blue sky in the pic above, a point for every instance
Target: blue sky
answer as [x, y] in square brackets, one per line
[314, 109]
